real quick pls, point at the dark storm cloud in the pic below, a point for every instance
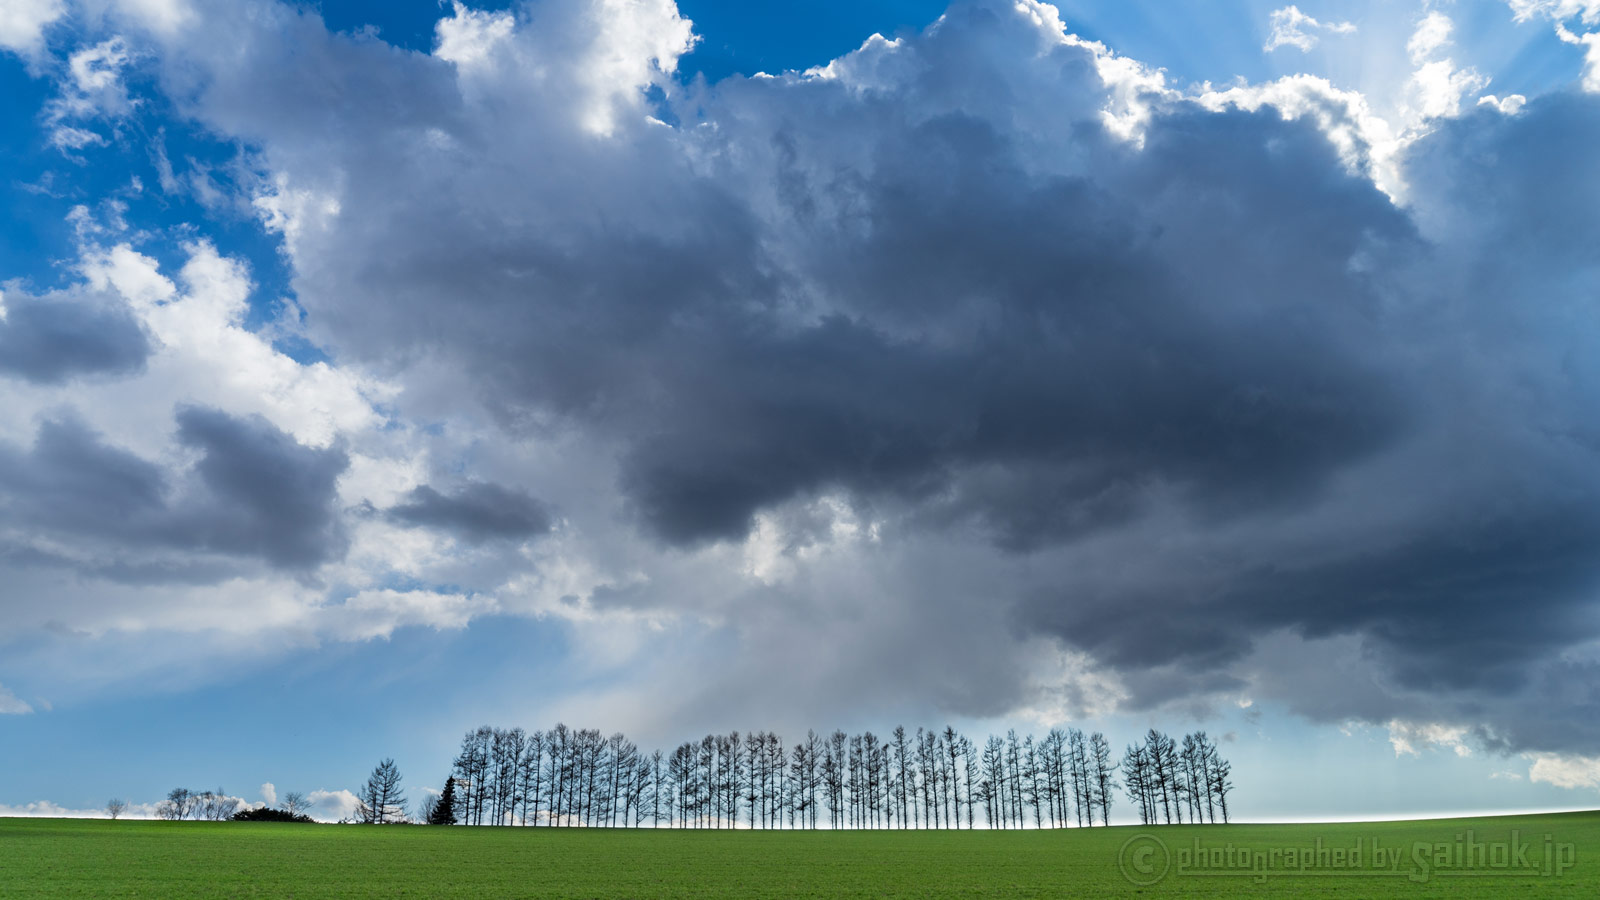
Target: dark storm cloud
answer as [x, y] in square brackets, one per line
[52, 339]
[1189, 393]
[1108, 349]
[974, 310]
[1477, 606]
[71, 480]
[1446, 607]
[477, 512]
[270, 496]
[254, 493]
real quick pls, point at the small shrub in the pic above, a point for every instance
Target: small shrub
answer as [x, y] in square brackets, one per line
[269, 815]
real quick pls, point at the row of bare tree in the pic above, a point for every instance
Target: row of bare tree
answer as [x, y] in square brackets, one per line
[926, 779]
[1169, 782]
[208, 806]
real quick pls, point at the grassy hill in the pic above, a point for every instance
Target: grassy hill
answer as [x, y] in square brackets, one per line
[1555, 855]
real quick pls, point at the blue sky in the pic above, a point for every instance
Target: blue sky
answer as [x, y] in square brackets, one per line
[372, 371]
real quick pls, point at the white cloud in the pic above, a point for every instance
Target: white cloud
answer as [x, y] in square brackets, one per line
[1509, 105]
[11, 704]
[639, 41]
[297, 213]
[22, 23]
[206, 354]
[376, 614]
[333, 805]
[44, 809]
[67, 137]
[1565, 771]
[1411, 738]
[92, 89]
[776, 549]
[269, 794]
[164, 17]
[1293, 28]
[469, 37]
[1590, 41]
[600, 55]
[1367, 143]
[1437, 87]
[1561, 12]
[1588, 10]
[96, 70]
[1370, 141]
[1431, 35]
[1131, 87]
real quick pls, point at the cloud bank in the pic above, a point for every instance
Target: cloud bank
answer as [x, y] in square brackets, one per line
[979, 365]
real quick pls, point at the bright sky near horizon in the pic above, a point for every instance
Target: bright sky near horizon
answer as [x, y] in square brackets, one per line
[370, 371]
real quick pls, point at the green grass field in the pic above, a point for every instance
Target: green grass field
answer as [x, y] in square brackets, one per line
[93, 858]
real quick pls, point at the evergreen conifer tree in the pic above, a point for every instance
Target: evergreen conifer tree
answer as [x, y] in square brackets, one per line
[444, 811]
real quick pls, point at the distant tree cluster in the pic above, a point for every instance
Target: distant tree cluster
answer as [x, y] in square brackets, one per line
[217, 806]
[927, 779]
[205, 806]
[1165, 781]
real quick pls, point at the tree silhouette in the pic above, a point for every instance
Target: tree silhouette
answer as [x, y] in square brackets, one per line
[381, 801]
[1104, 772]
[295, 804]
[444, 809]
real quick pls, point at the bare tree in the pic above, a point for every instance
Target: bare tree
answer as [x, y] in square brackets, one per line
[472, 771]
[1077, 763]
[381, 800]
[1104, 771]
[952, 752]
[531, 774]
[681, 770]
[1220, 784]
[994, 773]
[215, 806]
[115, 808]
[969, 757]
[426, 807]
[177, 806]
[1138, 783]
[833, 778]
[657, 797]
[1203, 760]
[295, 804]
